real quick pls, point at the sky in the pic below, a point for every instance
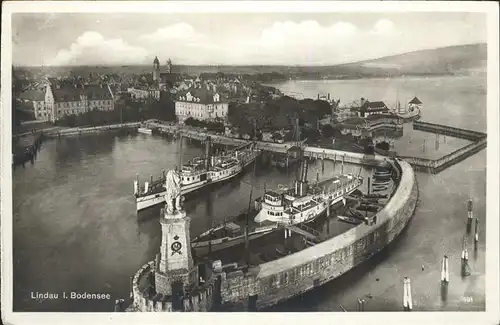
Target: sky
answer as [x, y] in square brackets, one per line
[233, 38]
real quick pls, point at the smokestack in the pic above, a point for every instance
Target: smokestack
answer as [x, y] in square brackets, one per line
[303, 177]
[208, 152]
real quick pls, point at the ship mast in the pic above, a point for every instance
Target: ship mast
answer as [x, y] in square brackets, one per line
[180, 153]
[247, 248]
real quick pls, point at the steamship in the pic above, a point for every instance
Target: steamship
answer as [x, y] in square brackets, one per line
[285, 208]
[198, 173]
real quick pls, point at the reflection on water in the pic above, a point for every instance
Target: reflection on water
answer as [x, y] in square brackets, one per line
[76, 229]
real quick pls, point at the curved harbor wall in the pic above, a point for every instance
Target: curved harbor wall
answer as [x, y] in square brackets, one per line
[278, 280]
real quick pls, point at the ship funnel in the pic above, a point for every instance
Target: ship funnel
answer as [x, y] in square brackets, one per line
[208, 152]
[303, 177]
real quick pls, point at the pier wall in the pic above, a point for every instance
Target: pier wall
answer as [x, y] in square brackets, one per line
[347, 156]
[276, 281]
[436, 166]
[448, 130]
[146, 300]
[141, 299]
[93, 129]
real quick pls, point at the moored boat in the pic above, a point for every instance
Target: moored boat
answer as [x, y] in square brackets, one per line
[145, 130]
[350, 220]
[198, 173]
[279, 209]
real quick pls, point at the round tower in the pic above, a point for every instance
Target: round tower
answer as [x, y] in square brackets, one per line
[156, 69]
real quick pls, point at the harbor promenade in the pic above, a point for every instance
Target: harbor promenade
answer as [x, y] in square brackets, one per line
[420, 164]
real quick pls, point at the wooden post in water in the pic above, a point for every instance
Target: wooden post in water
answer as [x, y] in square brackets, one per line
[470, 216]
[361, 304]
[465, 259]
[343, 158]
[407, 300]
[476, 234]
[445, 273]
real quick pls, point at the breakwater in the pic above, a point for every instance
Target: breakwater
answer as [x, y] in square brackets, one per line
[269, 283]
[448, 130]
[92, 129]
[438, 165]
[278, 280]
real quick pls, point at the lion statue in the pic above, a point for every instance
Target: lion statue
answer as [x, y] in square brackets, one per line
[173, 193]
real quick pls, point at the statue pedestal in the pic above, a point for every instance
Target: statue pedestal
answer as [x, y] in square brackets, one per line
[175, 267]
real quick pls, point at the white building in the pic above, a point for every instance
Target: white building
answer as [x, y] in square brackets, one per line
[144, 93]
[37, 99]
[72, 99]
[201, 104]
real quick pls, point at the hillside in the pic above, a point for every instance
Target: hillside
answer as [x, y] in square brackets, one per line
[445, 60]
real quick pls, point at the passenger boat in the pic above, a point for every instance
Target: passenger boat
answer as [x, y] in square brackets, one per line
[285, 208]
[198, 173]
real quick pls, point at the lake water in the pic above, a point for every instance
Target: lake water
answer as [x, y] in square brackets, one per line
[76, 229]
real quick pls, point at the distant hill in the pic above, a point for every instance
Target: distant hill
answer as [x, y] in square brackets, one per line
[460, 59]
[445, 60]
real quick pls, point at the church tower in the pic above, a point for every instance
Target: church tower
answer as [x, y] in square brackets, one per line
[175, 270]
[169, 66]
[156, 69]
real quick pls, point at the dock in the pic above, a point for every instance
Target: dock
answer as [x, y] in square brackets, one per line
[25, 147]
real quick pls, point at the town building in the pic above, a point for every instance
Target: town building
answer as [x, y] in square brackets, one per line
[368, 108]
[144, 93]
[63, 98]
[414, 104]
[36, 98]
[201, 104]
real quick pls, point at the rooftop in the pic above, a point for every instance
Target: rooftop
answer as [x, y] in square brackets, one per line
[415, 100]
[205, 96]
[33, 95]
[64, 92]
